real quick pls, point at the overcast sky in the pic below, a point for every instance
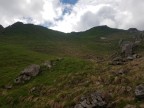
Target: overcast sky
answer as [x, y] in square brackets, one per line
[74, 15]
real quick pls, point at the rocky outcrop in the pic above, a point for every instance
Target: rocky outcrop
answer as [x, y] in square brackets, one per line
[133, 30]
[127, 48]
[139, 91]
[27, 74]
[94, 100]
[139, 37]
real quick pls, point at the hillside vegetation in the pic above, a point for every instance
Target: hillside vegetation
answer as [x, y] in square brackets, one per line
[83, 67]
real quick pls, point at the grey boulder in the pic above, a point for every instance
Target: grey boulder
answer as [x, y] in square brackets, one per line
[94, 100]
[31, 71]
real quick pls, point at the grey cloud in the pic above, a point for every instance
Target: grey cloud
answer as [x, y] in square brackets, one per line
[16, 9]
[90, 19]
[82, 16]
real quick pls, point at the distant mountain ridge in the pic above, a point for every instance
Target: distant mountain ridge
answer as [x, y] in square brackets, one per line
[19, 27]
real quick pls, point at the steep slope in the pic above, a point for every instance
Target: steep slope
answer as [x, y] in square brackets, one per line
[95, 42]
[83, 68]
[19, 28]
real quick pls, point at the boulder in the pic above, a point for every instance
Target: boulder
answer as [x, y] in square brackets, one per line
[27, 73]
[47, 64]
[139, 91]
[8, 87]
[127, 48]
[93, 100]
[31, 70]
[117, 61]
[139, 37]
[136, 56]
[130, 58]
[136, 43]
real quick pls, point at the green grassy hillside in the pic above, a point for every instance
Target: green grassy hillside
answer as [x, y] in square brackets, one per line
[85, 54]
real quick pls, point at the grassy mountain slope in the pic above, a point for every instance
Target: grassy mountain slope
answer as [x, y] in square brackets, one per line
[84, 67]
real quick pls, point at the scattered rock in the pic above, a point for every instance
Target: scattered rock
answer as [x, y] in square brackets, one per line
[94, 100]
[139, 92]
[33, 70]
[117, 61]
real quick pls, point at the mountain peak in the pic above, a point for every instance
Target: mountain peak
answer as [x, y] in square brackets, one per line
[133, 30]
[1, 27]
[17, 24]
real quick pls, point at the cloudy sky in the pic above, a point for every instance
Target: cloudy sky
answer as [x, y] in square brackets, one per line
[74, 15]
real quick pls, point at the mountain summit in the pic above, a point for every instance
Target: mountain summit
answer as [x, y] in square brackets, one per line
[1, 27]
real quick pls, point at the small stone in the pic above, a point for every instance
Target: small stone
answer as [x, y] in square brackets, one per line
[139, 91]
[78, 106]
[121, 72]
[135, 56]
[48, 64]
[130, 58]
[32, 89]
[8, 86]
[130, 106]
